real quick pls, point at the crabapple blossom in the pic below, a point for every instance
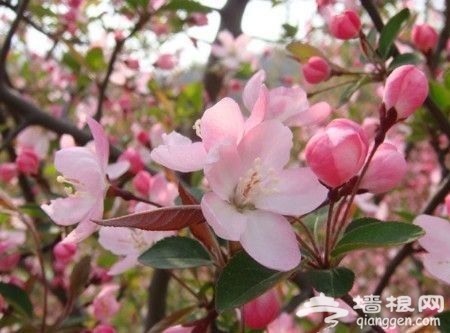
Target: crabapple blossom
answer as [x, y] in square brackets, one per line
[134, 158]
[284, 323]
[142, 182]
[345, 25]
[435, 242]
[27, 161]
[259, 312]
[105, 304]
[232, 51]
[64, 252]
[316, 70]
[7, 172]
[338, 153]
[166, 61]
[84, 171]
[386, 169]
[405, 90]
[104, 328]
[424, 37]
[251, 191]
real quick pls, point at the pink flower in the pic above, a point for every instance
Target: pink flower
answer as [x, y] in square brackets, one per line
[27, 161]
[85, 172]
[284, 323]
[166, 61]
[259, 312]
[251, 191]
[345, 25]
[232, 51]
[134, 158]
[10, 240]
[405, 90]
[424, 37]
[338, 153]
[198, 19]
[288, 105]
[157, 4]
[435, 242]
[142, 182]
[386, 170]
[105, 305]
[64, 252]
[7, 172]
[316, 70]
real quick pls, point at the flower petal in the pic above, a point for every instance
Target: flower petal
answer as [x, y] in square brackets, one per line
[258, 110]
[100, 140]
[81, 232]
[252, 89]
[226, 221]
[124, 264]
[115, 170]
[270, 141]
[179, 153]
[285, 103]
[270, 240]
[438, 266]
[314, 115]
[221, 122]
[119, 241]
[297, 192]
[437, 231]
[70, 210]
[224, 172]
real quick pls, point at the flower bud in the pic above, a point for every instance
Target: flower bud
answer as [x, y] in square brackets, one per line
[7, 172]
[345, 25]
[27, 161]
[338, 153]
[316, 70]
[405, 90]
[64, 252]
[166, 61]
[103, 328]
[132, 156]
[386, 169]
[259, 312]
[142, 183]
[424, 37]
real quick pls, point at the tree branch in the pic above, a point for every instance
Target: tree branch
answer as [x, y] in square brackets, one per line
[157, 294]
[443, 37]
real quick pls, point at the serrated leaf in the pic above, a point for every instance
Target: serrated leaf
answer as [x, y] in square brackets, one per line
[364, 221]
[334, 282]
[440, 95]
[80, 277]
[404, 59]
[95, 59]
[380, 234]
[175, 252]
[161, 219]
[303, 51]
[17, 298]
[243, 279]
[189, 6]
[390, 32]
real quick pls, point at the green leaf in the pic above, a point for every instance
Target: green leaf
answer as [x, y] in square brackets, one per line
[334, 282]
[303, 51]
[175, 252]
[289, 30]
[188, 5]
[403, 59]
[17, 298]
[350, 90]
[376, 234]
[444, 321]
[242, 280]
[95, 59]
[80, 276]
[391, 31]
[440, 95]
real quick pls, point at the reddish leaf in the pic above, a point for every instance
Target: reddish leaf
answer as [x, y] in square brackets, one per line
[199, 230]
[161, 219]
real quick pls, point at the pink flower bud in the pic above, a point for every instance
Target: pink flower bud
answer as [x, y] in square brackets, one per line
[27, 161]
[345, 25]
[132, 156]
[142, 182]
[405, 90]
[259, 312]
[7, 172]
[9, 261]
[424, 37]
[166, 61]
[338, 153]
[143, 137]
[64, 252]
[316, 70]
[105, 305]
[103, 328]
[386, 170]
